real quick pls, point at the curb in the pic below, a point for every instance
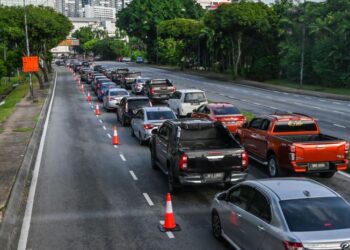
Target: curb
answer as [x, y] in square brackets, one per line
[11, 224]
[256, 84]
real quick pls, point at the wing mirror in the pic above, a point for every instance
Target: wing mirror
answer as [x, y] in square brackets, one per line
[222, 196]
[154, 131]
[194, 111]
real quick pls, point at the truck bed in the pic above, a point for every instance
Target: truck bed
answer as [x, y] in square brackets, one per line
[308, 138]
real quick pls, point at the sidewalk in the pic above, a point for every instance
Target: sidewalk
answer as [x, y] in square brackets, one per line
[225, 77]
[15, 134]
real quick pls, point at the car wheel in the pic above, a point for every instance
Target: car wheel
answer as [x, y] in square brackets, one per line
[141, 142]
[272, 166]
[327, 174]
[216, 226]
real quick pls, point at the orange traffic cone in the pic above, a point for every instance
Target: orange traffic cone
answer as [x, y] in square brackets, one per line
[89, 97]
[97, 110]
[82, 88]
[115, 139]
[169, 218]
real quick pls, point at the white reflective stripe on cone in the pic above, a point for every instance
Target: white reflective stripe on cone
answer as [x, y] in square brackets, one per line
[169, 208]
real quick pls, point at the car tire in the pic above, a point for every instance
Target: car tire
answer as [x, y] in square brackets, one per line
[327, 174]
[216, 226]
[272, 166]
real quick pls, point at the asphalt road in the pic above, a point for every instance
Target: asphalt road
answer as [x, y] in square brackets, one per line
[91, 195]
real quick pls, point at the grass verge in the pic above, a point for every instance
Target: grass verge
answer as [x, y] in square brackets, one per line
[25, 129]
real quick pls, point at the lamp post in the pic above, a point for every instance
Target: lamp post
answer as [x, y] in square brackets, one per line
[28, 51]
[302, 59]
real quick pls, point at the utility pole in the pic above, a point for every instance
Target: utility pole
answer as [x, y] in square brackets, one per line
[302, 59]
[28, 52]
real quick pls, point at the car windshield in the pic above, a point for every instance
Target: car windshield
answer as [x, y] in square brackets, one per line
[316, 214]
[107, 85]
[141, 81]
[118, 93]
[224, 110]
[138, 103]
[161, 84]
[160, 115]
[295, 126]
[195, 97]
[133, 75]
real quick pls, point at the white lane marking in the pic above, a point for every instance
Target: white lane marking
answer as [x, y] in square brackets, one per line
[256, 103]
[169, 234]
[337, 103]
[276, 91]
[115, 146]
[338, 125]
[148, 199]
[133, 175]
[338, 112]
[92, 107]
[104, 127]
[100, 120]
[109, 135]
[285, 93]
[122, 157]
[296, 95]
[321, 100]
[22, 243]
[344, 174]
[315, 107]
[271, 107]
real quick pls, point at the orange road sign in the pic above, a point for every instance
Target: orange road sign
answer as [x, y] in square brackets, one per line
[30, 64]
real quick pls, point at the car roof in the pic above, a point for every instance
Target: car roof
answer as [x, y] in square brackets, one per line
[107, 83]
[190, 90]
[219, 104]
[157, 109]
[295, 188]
[118, 89]
[136, 97]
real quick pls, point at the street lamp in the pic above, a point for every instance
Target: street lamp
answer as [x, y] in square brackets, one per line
[302, 59]
[28, 52]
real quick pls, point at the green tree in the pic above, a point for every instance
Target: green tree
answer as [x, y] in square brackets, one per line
[110, 48]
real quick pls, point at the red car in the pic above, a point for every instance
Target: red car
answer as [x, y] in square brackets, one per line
[226, 113]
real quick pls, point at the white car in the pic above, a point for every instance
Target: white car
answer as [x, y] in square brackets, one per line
[112, 97]
[147, 119]
[184, 101]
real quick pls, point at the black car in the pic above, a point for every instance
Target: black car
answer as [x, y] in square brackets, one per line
[129, 106]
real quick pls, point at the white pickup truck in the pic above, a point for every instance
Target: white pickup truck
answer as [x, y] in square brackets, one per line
[184, 101]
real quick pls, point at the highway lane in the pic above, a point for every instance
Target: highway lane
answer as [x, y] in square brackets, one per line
[333, 115]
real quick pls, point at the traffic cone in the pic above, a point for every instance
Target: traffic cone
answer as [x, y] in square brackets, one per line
[169, 218]
[97, 110]
[82, 88]
[115, 139]
[89, 97]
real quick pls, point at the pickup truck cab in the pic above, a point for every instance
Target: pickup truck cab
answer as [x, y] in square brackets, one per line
[129, 78]
[197, 151]
[184, 101]
[159, 89]
[293, 141]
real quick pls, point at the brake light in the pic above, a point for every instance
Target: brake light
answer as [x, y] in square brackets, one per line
[151, 90]
[245, 159]
[293, 245]
[148, 126]
[183, 162]
[126, 107]
[174, 89]
[292, 153]
[347, 145]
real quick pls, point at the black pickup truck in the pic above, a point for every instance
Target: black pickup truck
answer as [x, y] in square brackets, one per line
[197, 151]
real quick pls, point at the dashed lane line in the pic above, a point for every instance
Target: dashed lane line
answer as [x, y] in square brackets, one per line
[109, 135]
[115, 146]
[100, 120]
[148, 199]
[104, 127]
[122, 157]
[338, 125]
[133, 175]
[338, 103]
[168, 233]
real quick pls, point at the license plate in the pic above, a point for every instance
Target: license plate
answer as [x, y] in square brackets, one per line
[318, 166]
[163, 95]
[214, 176]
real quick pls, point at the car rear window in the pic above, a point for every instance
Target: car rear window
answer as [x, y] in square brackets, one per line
[118, 93]
[132, 75]
[138, 103]
[295, 126]
[226, 111]
[194, 97]
[316, 214]
[160, 115]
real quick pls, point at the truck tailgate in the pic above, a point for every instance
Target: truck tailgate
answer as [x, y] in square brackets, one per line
[214, 161]
[320, 152]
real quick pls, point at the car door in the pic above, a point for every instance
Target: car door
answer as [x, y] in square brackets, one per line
[237, 201]
[255, 221]
[261, 138]
[121, 107]
[173, 100]
[251, 134]
[162, 141]
[105, 98]
[199, 112]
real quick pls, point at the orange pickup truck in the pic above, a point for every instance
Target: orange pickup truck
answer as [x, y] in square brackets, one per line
[293, 141]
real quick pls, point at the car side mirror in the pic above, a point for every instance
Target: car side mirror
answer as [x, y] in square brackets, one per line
[222, 196]
[154, 131]
[194, 111]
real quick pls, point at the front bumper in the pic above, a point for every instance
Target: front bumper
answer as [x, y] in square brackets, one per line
[199, 178]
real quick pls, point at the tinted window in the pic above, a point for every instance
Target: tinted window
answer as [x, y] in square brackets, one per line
[265, 125]
[260, 207]
[118, 92]
[316, 214]
[164, 132]
[295, 126]
[160, 83]
[160, 115]
[138, 103]
[241, 196]
[256, 123]
[133, 75]
[195, 97]
[226, 111]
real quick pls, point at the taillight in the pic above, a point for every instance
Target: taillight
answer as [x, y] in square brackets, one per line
[151, 90]
[148, 126]
[174, 89]
[245, 159]
[126, 107]
[347, 145]
[292, 153]
[293, 245]
[183, 162]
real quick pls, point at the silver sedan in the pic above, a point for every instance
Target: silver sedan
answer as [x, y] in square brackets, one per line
[112, 97]
[148, 118]
[290, 213]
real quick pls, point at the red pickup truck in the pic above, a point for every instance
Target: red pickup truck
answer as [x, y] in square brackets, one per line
[293, 141]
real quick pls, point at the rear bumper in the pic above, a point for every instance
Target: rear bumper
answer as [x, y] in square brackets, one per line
[333, 166]
[199, 178]
[159, 97]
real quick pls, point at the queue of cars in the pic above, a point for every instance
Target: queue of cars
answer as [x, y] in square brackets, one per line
[194, 142]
